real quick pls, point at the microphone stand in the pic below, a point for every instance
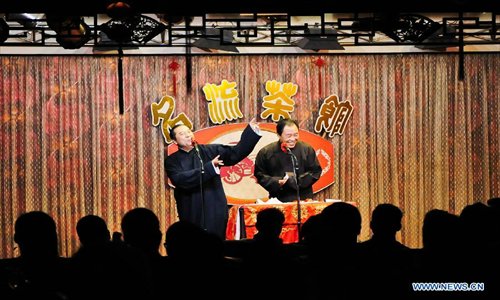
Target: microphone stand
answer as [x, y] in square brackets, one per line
[295, 163]
[202, 171]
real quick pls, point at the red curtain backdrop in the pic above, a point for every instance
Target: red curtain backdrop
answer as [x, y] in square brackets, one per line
[418, 138]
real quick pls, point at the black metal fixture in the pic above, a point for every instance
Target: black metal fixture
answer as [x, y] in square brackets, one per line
[410, 28]
[402, 28]
[139, 29]
[230, 33]
[441, 39]
[4, 30]
[216, 39]
[320, 39]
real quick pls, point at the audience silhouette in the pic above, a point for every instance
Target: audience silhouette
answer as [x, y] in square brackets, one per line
[385, 262]
[333, 254]
[106, 269]
[39, 272]
[328, 263]
[196, 264]
[141, 231]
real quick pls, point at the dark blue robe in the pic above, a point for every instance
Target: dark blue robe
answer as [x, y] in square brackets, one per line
[184, 168]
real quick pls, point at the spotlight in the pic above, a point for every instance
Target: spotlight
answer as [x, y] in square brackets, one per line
[104, 43]
[172, 19]
[318, 40]
[212, 40]
[26, 20]
[119, 10]
[441, 39]
[72, 32]
[74, 38]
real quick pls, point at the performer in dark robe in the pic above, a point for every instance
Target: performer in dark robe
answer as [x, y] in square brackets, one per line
[274, 165]
[194, 171]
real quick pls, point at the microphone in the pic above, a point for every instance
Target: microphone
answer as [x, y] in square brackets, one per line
[295, 163]
[287, 150]
[195, 145]
[284, 148]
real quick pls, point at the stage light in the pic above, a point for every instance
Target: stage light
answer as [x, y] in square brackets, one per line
[104, 44]
[212, 40]
[441, 39]
[74, 38]
[26, 20]
[119, 10]
[318, 40]
[171, 19]
[72, 32]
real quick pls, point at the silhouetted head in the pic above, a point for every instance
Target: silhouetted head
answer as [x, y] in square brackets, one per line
[188, 242]
[141, 229]
[36, 235]
[92, 230]
[311, 229]
[386, 219]
[341, 222]
[477, 223]
[440, 231]
[270, 222]
[494, 203]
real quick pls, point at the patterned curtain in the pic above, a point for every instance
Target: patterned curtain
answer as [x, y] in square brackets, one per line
[418, 138]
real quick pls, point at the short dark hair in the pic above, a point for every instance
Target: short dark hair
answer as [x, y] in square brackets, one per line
[285, 122]
[270, 221]
[171, 132]
[270, 215]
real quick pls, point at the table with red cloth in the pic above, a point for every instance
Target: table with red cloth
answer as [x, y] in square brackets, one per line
[242, 219]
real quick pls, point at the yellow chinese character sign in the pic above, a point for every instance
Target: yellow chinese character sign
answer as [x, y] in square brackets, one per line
[279, 103]
[333, 116]
[162, 112]
[224, 102]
